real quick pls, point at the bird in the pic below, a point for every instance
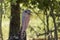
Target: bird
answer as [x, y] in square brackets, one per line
[25, 21]
[21, 35]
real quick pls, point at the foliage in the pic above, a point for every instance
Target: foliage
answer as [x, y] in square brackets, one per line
[38, 18]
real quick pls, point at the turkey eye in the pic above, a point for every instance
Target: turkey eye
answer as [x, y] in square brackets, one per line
[26, 11]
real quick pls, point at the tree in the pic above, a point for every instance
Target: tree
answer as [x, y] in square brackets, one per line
[1, 12]
[15, 19]
[53, 16]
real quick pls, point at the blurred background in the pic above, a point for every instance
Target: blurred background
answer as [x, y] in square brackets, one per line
[44, 21]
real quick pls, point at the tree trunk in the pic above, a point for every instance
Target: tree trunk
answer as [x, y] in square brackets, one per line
[44, 24]
[15, 20]
[56, 34]
[1, 12]
[47, 21]
[55, 27]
